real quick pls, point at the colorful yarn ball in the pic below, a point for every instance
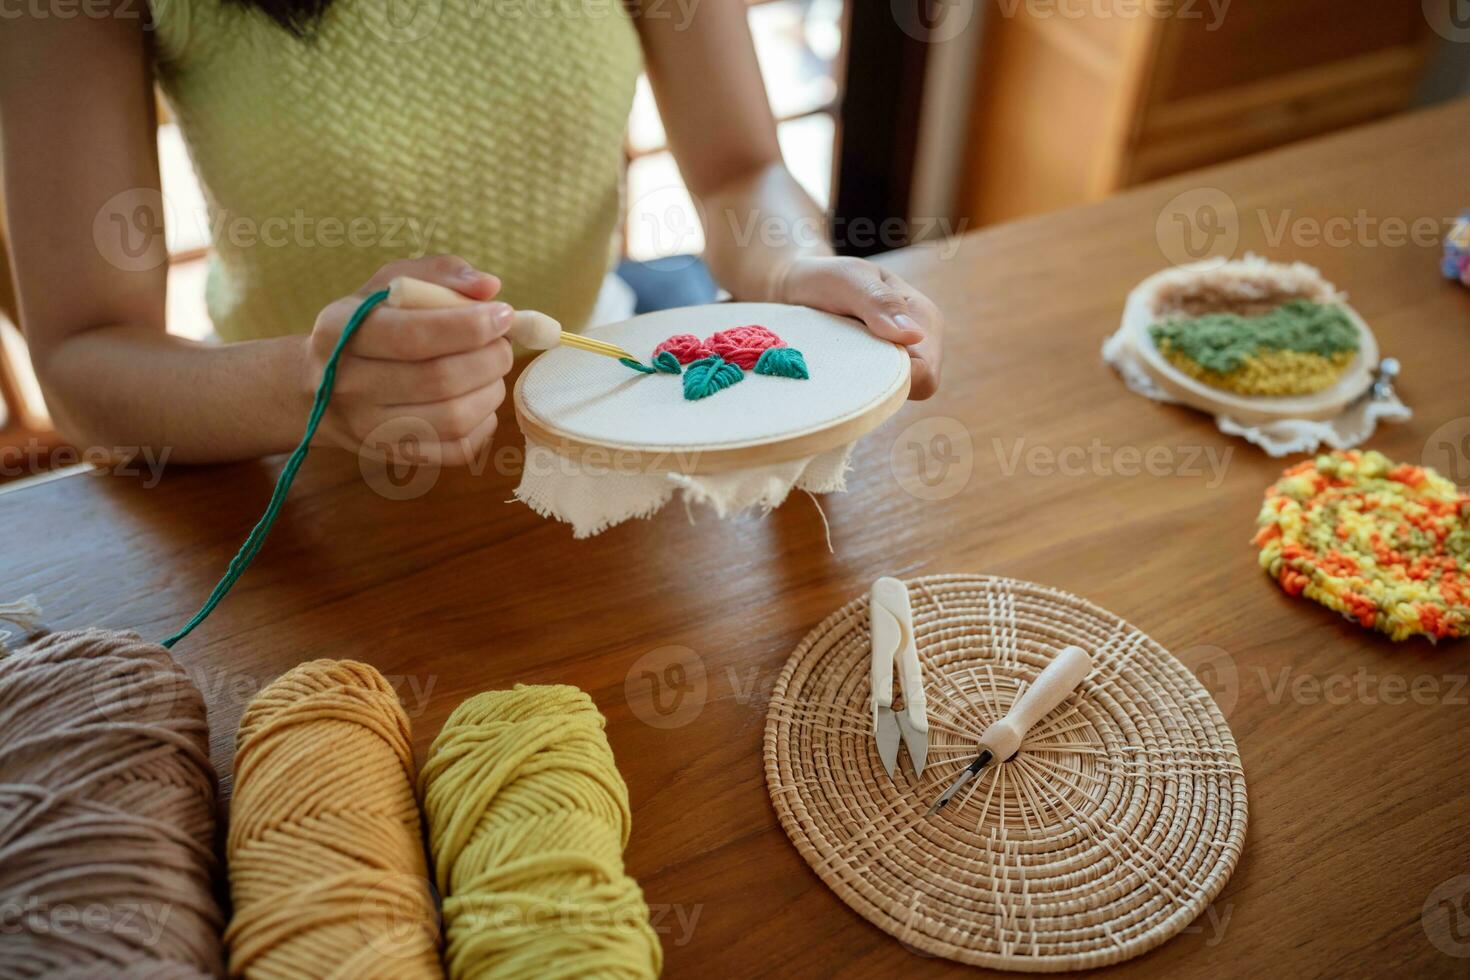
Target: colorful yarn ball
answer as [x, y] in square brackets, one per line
[1385, 544]
[528, 817]
[743, 345]
[685, 347]
[1456, 261]
[107, 812]
[1457, 267]
[325, 852]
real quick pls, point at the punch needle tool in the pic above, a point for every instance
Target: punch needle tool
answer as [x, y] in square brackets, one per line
[1002, 740]
[536, 331]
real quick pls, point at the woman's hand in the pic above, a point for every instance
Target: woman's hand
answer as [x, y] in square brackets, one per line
[890, 307]
[416, 384]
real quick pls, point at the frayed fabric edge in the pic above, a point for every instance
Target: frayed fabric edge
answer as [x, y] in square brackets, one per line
[581, 529]
[824, 473]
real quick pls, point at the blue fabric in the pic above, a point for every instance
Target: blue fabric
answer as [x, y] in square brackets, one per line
[661, 284]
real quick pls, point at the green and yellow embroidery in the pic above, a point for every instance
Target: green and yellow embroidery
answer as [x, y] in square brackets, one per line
[1298, 348]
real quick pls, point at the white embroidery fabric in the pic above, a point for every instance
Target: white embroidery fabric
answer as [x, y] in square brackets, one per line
[601, 403]
[1280, 438]
[593, 501]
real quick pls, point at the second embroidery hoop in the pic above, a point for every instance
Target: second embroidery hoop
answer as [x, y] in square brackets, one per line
[588, 407]
[1142, 311]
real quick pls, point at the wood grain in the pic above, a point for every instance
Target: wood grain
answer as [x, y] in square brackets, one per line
[1359, 793]
[1132, 96]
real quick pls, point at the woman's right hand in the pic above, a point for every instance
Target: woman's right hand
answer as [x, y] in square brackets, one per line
[419, 385]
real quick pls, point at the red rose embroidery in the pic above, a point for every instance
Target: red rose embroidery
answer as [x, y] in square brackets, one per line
[743, 345]
[685, 347]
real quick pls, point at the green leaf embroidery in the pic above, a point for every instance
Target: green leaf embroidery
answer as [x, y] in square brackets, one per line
[782, 362]
[638, 366]
[666, 362]
[708, 375]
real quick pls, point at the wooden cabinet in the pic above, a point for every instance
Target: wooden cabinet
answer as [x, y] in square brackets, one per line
[1077, 99]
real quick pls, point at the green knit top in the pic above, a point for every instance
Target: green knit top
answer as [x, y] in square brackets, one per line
[491, 129]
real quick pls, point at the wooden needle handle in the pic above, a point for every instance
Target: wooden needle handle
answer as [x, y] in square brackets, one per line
[1057, 681]
[528, 328]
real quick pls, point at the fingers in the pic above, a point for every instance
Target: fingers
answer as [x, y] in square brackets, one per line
[861, 289]
[397, 383]
[416, 335]
[887, 311]
[889, 307]
[417, 385]
[465, 450]
[450, 432]
[407, 440]
[926, 355]
[923, 372]
[453, 418]
[450, 271]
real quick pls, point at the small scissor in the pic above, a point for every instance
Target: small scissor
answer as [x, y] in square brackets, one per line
[891, 624]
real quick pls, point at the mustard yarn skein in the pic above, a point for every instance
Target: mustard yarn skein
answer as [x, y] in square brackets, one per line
[107, 813]
[528, 818]
[325, 852]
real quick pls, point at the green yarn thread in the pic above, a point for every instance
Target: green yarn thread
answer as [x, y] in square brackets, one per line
[257, 535]
[782, 362]
[708, 375]
[664, 362]
[1222, 342]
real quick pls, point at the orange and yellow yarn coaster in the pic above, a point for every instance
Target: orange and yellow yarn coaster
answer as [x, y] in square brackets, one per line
[1383, 543]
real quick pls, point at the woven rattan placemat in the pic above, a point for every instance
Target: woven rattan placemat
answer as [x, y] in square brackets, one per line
[1115, 826]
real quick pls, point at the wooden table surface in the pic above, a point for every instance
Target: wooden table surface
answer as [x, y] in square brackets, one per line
[1359, 792]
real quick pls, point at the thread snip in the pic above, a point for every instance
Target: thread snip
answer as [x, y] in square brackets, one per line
[325, 854]
[528, 818]
[107, 820]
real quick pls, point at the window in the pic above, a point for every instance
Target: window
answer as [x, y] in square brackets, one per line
[798, 43]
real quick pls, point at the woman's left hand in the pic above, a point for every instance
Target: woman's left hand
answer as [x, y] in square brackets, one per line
[890, 307]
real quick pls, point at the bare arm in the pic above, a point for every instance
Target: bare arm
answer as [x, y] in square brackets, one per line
[76, 106]
[81, 172]
[763, 233]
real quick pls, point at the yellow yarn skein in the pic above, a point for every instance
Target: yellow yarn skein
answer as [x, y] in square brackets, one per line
[325, 852]
[528, 817]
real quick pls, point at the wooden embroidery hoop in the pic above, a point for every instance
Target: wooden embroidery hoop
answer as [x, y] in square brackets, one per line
[564, 398]
[1140, 313]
